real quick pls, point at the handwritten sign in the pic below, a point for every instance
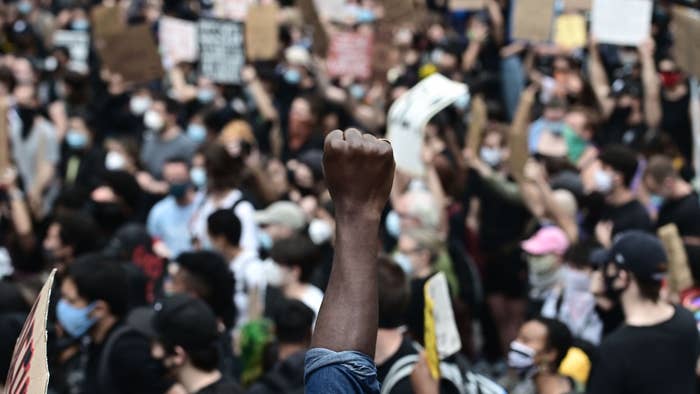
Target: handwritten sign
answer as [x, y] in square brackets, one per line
[135, 43]
[261, 32]
[529, 28]
[232, 9]
[222, 54]
[441, 335]
[621, 22]
[411, 112]
[78, 44]
[178, 41]
[459, 5]
[685, 25]
[350, 54]
[29, 369]
[570, 31]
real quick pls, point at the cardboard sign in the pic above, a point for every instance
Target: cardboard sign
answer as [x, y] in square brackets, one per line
[460, 5]
[330, 8]
[532, 20]
[685, 25]
[679, 275]
[411, 112]
[399, 12]
[133, 54]
[621, 22]
[441, 335]
[78, 44]
[312, 18]
[577, 5]
[350, 54]
[29, 369]
[235, 10]
[178, 41]
[570, 31]
[261, 29]
[107, 21]
[222, 55]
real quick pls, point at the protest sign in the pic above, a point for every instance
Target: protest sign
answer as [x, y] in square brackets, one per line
[532, 20]
[330, 8]
[570, 31]
[621, 22]
[178, 41]
[577, 5]
[460, 5]
[107, 21]
[29, 368]
[399, 12]
[78, 45]
[222, 55]
[441, 335]
[679, 275]
[311, 17]
[235, 10]
[136, 44]
[350, 54]
[411, 112]
[261, 32]
[685, 25]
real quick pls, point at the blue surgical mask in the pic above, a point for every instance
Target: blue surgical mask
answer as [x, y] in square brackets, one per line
[404, 262]
[178, 190]
[656, 200]
[292, 76]
[24, 7]
[76, 321]
[80, 24]
[357, 91]
[196, 132]
[393, 224]
[205, 96]
[76, 140]
[603, 181]
[265, 240]
[199, 177]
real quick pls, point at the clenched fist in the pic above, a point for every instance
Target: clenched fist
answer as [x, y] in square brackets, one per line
[359, 171]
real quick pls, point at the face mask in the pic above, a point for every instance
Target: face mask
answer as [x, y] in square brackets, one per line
[576, 280]
[393, 224]
[320, 231]
[76, 321]
[292, 76]
[490, 156]
[205, 96]
[178, 190]
[109, 215]
[656, 200]
[76, 140]
[541, 264]
[603, 181]
[114, 161]
[196, 132]
[357, 92]
[520, 357]
[139, 105]
[404, 262]
[199, 177]
[50, 64]
[24, 7]
[80, 24]
[670, 79]
[153, 121]
[611, 292]
[265, 240]
[620, 115]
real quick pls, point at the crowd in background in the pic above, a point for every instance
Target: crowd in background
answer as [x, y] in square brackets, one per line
[193, 233]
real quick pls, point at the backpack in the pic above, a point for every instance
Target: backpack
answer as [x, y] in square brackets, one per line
[451, 372]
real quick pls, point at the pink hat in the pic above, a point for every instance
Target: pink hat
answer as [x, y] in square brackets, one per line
[548, 240]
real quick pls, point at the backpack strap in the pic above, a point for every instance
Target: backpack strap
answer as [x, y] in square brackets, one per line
[401, 369]
[104, 374]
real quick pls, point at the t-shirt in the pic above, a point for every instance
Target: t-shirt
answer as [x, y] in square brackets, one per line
[651, 359]
[629, 216]
[683, 212]
[168, 221]
[404, 385]
[221, 386]
[156, 151]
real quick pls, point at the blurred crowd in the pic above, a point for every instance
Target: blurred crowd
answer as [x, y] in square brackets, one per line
[193, 233]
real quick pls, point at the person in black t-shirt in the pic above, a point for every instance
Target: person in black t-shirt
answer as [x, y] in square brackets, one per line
[622, 211]
[657, 348]
[185, 335]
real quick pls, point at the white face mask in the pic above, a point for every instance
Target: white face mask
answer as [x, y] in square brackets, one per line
[404, 262]
[153, 120]
[320, 231]
[139, 105]
[520, 357]
[603, 181]
[490, 156]
[114, 161]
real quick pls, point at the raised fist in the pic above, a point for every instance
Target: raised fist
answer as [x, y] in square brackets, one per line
[359, 172]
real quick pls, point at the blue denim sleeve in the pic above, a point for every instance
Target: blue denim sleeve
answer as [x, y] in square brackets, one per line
[326, 371]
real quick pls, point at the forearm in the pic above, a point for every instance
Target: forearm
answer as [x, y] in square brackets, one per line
[471, 55]
[599, 81]
[262, 100]
[652, 99]
[21, 220]
[347, 320]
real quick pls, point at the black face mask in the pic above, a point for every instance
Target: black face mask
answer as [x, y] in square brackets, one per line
[620, 116]
[611, 292]
[109, 215]
[26, 115]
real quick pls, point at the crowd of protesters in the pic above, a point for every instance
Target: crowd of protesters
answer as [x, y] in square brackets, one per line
[194, 234]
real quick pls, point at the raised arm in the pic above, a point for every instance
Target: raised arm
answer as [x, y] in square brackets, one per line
[652, 94]
[599, 80]
[359, 170]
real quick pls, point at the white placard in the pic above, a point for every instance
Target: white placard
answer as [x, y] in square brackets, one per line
[446, 334]
[412, 111]
[178, 41]
[621, 22]
[78, 44]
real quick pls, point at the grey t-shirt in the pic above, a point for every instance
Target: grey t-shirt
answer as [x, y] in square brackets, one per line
[156, 151]
[40, 145]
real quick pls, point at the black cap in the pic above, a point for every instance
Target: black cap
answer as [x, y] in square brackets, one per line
[179, 320]
[640, 253]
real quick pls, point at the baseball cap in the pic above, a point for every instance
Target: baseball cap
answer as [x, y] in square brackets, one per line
[550, 239]
[282, 212]
[640, 253]
[179, 320]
